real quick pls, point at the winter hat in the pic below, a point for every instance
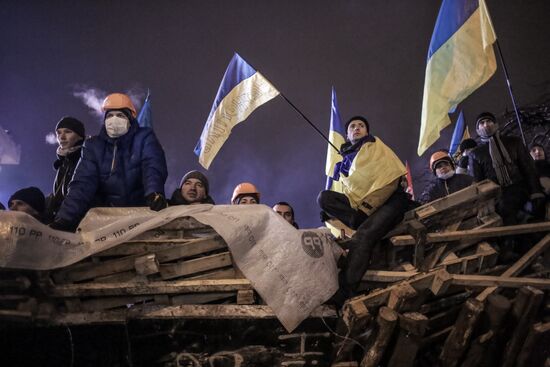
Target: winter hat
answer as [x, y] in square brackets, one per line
[72, 124]
[32, 196]
[467, 144]
[197, 175]
[484, 116]
[360, 118]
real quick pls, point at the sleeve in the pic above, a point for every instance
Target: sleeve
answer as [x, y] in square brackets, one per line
[475, 169]
[153, 164]
[82, 188]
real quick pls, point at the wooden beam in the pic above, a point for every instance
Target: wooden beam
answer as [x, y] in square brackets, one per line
[386, 321]
[183, 268]
[519, 265]
[133, 289]
[471, 234]
[383, 276]
[476, 281]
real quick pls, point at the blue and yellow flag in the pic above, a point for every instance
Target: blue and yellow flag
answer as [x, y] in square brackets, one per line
[145, 117]
[460, 59]
[336, 136]
[459, 134]
[241, 91]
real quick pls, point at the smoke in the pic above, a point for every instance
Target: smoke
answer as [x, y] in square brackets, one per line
[93, 97]
[10, 152]
[51, 138]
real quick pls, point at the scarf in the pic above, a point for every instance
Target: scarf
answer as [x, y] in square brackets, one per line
[349, 151]
[500, 158]
[65, 152]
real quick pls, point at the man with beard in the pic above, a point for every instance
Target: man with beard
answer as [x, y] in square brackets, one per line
[193, 190]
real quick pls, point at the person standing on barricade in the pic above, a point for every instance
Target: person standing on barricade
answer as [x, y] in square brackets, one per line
[372, 201]
[70, 135]
[121, 167]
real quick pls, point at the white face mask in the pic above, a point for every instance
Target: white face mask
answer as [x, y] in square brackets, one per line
[116, 126]
[446, 176]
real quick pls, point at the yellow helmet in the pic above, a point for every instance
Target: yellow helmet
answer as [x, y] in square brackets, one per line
[118, 101]
[245, 188]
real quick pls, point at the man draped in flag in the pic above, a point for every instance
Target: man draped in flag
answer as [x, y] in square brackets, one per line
[241, 91]
[460, 59]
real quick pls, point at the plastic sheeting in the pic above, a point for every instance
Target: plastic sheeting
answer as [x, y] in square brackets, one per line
[294, 271]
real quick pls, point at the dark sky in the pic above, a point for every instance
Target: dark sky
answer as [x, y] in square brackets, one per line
[373, 52]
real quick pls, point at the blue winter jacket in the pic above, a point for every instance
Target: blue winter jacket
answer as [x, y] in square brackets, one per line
[117, 172]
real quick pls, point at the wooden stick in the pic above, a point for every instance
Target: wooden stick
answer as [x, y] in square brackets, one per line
[498, 281]
[386, 321]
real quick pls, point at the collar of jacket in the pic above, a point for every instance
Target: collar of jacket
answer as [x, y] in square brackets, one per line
[73, 155]
[348, 147]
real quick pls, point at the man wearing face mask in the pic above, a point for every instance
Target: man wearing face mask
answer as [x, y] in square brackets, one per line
[505, 161]
[123, 166]
[70, 135]
[446, 180]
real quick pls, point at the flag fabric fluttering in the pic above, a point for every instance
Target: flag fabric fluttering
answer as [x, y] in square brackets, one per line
[145, 117]
[460, 59]
[410, 189]
[336, 136]
[241, 91]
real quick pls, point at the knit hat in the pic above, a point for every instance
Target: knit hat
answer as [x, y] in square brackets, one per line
[197, 175]
[72, 124]
[32, 196]
[485, 116]
[467, 144]
[360, 118]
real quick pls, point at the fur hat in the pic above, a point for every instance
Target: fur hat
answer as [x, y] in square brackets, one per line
[72, 124]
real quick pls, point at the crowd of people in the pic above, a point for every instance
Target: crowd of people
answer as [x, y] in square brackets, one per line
[124, 165]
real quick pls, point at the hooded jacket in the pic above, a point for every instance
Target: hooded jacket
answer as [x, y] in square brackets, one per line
[65, 167]
[115, 172]
[439, 187]
[521, 171]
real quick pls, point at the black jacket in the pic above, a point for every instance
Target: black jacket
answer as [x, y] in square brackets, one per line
[65, 167]
[522, 170]
[439, 188]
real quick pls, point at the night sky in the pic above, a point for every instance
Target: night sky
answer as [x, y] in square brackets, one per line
[372, 52]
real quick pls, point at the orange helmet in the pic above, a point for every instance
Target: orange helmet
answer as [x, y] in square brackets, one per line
[243, 189]
[438, 157]
[118, 101]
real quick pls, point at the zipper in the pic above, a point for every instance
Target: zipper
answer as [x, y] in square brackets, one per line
[113, 163]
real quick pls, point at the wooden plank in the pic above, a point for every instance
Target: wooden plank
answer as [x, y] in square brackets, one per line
[199, 298]
[383, 276]
[178, 312]
[146, 264]
[228, 273]
[105, 303]
[182, 268]
[475, 281]
[133, 289]
[386, 321]
[519, 265]
[474, 234]
[245, 297]
[412, 327]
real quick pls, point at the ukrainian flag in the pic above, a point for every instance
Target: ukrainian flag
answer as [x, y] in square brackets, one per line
[241, 91]
[145, 117]
[336, 136]
[460, 59]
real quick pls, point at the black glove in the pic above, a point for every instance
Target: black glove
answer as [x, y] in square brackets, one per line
[463, 162]
[62, 225]
[324, 216]
[156, 201]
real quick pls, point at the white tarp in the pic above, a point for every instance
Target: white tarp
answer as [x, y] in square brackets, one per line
[294, 271]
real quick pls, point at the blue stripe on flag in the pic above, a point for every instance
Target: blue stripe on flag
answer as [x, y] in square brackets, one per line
[452, 15]
[458, 133]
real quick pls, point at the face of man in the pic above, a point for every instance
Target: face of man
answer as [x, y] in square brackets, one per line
[247, 200]
[193, 191]
[356, 130]
[537, 153]
[486, 127]
[66, 138]
[21, 206]
[442, 168]
[285, 212]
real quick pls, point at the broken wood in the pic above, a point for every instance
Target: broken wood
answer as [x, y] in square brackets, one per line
[386, 321]
[412, 327]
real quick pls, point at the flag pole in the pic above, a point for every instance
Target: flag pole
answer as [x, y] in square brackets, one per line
[309, 122]
[507, 77]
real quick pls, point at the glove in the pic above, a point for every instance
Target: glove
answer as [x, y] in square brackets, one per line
[63, 225]
[324, 216]
[463, 162]
[156, 201]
